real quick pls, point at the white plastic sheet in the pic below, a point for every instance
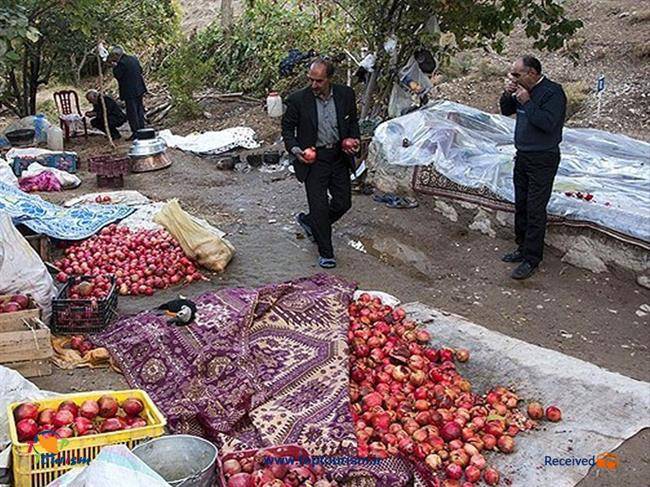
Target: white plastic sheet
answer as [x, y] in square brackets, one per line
[600, 409]
[475, 149]
[212, 142]
[114, 466]
[21, 269]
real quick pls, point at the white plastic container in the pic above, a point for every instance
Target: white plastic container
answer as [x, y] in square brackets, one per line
[55, 138]
[274, 105]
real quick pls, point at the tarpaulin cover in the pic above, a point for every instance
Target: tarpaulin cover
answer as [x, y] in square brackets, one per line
[55, 221]
[475, 149]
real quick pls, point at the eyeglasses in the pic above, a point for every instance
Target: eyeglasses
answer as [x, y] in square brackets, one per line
[515, 75]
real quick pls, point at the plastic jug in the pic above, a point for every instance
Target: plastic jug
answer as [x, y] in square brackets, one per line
[55, 138]
[40, 131]
[274, 105]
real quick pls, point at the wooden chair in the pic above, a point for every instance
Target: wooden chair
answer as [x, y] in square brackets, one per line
[67, 103]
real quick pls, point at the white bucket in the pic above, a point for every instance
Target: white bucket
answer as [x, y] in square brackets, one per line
[274, 105]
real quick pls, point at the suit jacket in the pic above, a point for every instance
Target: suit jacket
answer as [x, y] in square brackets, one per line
[300, 122]
[114, 113]
[128, 74]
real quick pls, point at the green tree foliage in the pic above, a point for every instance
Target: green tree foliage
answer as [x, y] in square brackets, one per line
[45, 38]
[471, 24]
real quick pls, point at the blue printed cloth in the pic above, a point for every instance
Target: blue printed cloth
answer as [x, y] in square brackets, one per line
[74, 223]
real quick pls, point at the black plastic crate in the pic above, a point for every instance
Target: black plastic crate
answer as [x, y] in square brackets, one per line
[80, 316]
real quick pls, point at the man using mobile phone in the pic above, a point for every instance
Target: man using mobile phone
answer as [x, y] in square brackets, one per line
[540, 106]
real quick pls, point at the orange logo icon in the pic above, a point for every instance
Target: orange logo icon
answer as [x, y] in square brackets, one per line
[607, 461]
[48, 443]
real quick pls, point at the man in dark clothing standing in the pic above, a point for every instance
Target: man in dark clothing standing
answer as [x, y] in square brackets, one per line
[540, 105]
[128, 73]
[322, 118]
[114, 114]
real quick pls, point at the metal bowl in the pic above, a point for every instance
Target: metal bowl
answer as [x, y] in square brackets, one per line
[182, 460]
[147, 147]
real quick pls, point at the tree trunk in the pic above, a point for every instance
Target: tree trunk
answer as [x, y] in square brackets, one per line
[370, 90]
[226, 14]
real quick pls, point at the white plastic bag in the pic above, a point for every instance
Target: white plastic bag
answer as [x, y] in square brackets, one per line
[115, 465]
[21, 269]
[412, 85]
[7, 175]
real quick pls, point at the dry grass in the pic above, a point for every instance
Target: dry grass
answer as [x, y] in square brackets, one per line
[457, 66]
[577, 93]
[486, 69]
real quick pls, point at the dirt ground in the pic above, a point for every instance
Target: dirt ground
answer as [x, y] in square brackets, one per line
[414, 254]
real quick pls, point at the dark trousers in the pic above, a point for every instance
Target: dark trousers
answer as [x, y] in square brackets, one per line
[329, 172]
[533, 178]
[135, 113]
[112, 125]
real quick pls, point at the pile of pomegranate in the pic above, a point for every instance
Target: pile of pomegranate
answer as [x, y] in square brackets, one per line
[69, 419]
[102, 200]
[81, 344]
[141, 261]
[13, 303]
[255, 471]
[408, 398]
[97, 287]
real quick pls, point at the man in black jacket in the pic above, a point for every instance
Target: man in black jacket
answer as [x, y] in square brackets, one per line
[540, 105]
[322, 117]
[114, 114]
[128, 73]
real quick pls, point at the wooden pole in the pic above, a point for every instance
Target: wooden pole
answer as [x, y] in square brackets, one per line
[102, 101]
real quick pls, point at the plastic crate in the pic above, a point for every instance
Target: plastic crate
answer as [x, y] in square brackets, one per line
[285, 451]
[79, 316]
[108, 165]
[30, 473]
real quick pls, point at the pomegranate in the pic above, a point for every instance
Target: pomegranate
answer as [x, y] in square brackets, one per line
[136, 422]
[46, 416]
[349, 145]
[506, 444]
[231, 467]
[82, 425]
[454, 472]
[64, 432]
[462, 355]
[89, 409]
[27, 410]
[69, 406]
[433, 461]
[553, 414]
[26, 429]
[489, 441]
[491, 476]
[535, 410]
[241, 479]
[110, 424]
[309, 154]
[62, 418]
[107, 406]
[132, 406]
[451, 431]
[20, 300]
[472, 474]
[478, 461]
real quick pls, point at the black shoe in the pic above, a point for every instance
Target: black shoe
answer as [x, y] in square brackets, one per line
[309, 233]
[523, 270]
[515, 256]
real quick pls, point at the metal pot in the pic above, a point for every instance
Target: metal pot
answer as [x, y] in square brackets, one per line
[147, 147]
[182, 460]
